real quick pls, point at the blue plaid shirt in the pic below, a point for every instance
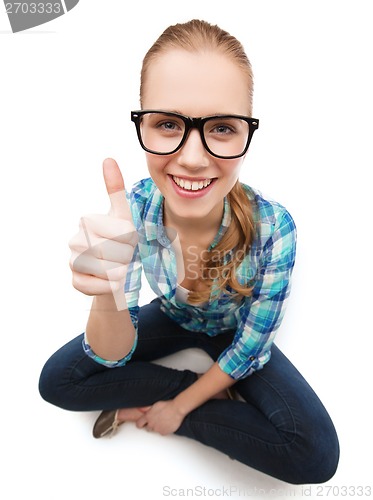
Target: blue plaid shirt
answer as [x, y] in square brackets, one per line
[268, 265]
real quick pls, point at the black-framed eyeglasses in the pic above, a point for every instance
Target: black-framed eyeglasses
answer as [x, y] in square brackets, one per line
[223, 136]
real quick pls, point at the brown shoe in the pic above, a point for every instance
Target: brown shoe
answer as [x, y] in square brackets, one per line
[106, 423]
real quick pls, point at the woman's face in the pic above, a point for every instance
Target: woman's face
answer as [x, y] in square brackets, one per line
[195, 84]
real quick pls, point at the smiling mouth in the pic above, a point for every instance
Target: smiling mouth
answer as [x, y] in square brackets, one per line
[191, 185]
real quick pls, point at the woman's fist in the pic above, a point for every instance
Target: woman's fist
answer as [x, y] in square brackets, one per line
[104, 245]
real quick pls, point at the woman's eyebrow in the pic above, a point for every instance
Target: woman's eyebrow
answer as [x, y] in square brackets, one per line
[168, 111]
[177, 111]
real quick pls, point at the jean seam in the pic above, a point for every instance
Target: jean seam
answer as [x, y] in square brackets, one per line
[248, 437]
[294, 430]
[78, 383]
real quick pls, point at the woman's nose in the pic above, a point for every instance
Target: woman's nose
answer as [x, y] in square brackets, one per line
[193, 153]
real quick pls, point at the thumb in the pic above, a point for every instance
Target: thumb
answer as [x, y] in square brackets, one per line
[116, 190]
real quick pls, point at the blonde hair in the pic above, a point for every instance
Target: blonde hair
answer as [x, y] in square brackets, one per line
[195, 36]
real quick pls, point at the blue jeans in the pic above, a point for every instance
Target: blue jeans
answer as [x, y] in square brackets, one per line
[282, 428]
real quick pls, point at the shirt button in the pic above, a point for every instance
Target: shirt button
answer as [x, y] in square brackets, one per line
[252, 358]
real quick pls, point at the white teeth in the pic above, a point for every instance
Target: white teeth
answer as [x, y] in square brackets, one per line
[191, 186]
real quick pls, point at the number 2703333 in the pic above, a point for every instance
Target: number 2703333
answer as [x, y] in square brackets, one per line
[33, 8]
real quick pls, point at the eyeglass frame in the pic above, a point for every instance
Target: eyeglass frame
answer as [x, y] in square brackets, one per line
[190, 123]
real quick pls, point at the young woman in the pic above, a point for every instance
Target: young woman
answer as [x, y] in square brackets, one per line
[219, 258]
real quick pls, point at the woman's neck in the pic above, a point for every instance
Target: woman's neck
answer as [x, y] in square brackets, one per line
[198, 229]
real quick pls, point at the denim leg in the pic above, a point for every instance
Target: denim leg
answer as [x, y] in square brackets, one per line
[73, 381]
[282, 428]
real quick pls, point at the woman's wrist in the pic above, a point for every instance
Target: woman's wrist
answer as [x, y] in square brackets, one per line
[109, 331]
[206, 387]
[182, 405]
[105, 303]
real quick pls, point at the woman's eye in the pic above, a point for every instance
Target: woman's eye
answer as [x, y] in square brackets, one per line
[223, 129]
[168, 126]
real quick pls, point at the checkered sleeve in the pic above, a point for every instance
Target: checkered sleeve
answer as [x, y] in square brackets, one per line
[261, 314]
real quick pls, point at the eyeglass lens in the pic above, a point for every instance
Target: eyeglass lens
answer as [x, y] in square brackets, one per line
[163, 133]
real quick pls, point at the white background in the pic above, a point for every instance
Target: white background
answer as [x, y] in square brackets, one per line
[66, 91]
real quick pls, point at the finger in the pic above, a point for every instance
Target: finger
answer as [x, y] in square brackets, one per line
[109, 227]
[102, 249]
[141, 422]
[85, 263]
[112, 251]
[116, 190]
[78, 242]
[90, 285]
[144, 409]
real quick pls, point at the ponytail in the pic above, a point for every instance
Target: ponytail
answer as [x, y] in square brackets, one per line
[222, 260]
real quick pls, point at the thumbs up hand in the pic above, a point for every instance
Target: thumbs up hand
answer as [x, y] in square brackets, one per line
[104, 245]
[116, 190]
